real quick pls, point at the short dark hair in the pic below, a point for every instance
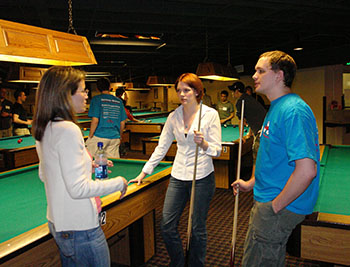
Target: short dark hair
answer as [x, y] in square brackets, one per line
[237, 86]
[119, 92]
[17, 93]
[249, 88]
[282, 61]
[193, 81]
[224, 92]
[103, 84]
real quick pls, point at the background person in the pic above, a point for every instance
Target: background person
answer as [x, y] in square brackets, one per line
[207, 99]
[249, 90]
[107, 121]
[254, 114]
[287, 168]
[182, 125]
[122, 94]
[225, 108]
[5, 114]
[65, 167]
[20, 120]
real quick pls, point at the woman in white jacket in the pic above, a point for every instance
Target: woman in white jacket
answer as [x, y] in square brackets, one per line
[182, 125]
[66, 166]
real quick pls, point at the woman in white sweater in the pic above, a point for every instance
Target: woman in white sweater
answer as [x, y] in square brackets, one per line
[65, 167]
[182, 125]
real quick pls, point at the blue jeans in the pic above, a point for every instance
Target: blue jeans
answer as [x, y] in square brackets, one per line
[177, 195]
[82, 248]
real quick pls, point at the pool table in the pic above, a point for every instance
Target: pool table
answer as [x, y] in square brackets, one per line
[149, 114]
[84, 123]
[325, 234]
[226, 164]
[24, 234]
[14, 154]
[139, 130]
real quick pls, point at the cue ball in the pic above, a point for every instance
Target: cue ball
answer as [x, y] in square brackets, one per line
[225, 125]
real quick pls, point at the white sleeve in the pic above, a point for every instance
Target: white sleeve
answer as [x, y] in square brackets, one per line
[166, 139]
[214, 135]
[72, 161]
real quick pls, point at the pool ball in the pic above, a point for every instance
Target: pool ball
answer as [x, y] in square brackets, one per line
[84, 129]
[225, 125]
[19, 140]
[234, 126]
[245, 130]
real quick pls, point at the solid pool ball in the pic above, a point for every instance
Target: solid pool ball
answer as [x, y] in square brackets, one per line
[245, 130]
[19, 140]
[234, 126]
[84, 129]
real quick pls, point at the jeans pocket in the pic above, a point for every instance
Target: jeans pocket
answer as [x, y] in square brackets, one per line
[65, 242]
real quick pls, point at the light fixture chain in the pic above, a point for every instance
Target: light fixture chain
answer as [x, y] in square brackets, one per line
[70, 17]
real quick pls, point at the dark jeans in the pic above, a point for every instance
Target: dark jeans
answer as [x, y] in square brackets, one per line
[178, 193]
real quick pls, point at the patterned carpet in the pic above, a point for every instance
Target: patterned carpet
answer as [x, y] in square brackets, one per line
[219, 226]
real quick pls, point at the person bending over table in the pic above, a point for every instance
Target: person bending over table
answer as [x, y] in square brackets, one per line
[182, 125]
[65, 167]
[287, 167]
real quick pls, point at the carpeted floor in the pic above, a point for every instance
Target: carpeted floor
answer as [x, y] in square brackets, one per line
[219, 226]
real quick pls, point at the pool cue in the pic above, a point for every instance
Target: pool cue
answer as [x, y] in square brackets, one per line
[238, 176]
[193, 192]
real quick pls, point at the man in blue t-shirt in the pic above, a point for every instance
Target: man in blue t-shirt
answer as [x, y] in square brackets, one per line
[107, 121]
[287, 166]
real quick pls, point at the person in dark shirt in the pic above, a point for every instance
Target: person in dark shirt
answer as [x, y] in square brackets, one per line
[20, 121]
[254, 114]
[250, 92]
[5, 114]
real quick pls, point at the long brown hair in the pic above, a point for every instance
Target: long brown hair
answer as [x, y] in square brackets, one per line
[54, 97]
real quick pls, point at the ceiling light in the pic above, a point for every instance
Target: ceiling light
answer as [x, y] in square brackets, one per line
[137, 42]
[216, 72]
[297, 45]
[23, 74]
[160, 81]
[28, 44]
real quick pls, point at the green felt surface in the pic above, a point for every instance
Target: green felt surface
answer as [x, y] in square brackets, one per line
[23, 199]
[12, 142]
[142, 113]
[156, 120]
[83, 120]
[334, 194]
[229, 133]
[27, 140]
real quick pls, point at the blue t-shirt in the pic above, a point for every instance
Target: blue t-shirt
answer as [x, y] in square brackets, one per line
[110, 112]
[289, 133]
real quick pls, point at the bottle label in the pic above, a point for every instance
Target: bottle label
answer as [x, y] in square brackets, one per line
[101, 172]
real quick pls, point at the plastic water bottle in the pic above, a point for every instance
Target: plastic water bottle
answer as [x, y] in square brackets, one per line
[101, 172]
